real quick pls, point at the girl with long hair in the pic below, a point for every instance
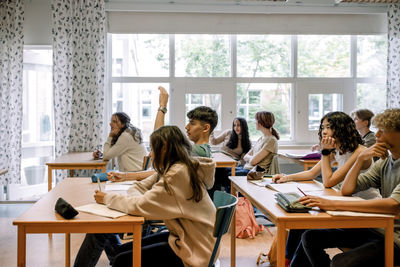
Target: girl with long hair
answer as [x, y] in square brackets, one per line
[341, 142]
[266, 146]
[175, 193]
[236, 141]
[125, 143]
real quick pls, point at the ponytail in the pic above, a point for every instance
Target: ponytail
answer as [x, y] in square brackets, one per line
[275, 133]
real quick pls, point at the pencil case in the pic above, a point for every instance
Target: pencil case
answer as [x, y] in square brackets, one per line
[289, 202]
[102, 177]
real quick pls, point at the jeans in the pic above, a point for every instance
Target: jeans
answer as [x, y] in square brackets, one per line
[240, 171]
[155, 252]
[292, 246]
[92, 247]
[367, 248]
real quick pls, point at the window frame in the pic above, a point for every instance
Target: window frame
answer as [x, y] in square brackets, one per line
[227, 87]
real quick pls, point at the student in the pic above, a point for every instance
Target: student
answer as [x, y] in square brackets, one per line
[337, 133]
[367, 244]
[202, 122]
[125, 143]
[266, 146]
[362, 119]
[180, 185]
[340, 142]
[236, 142]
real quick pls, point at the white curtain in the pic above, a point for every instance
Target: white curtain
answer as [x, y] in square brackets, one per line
[393, 66]
[11, 64]
[78, 74]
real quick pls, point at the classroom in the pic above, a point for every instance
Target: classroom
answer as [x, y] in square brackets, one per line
[298, 90]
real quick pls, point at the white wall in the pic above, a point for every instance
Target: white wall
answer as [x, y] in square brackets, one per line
[37, 24]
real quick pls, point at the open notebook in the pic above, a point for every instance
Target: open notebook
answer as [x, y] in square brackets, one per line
[99, 209]
[289, 187]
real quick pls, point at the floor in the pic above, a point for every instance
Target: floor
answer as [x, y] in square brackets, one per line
[42, 251]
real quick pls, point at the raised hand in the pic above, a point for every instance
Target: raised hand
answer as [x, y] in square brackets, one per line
[376, 150]
[163, 98]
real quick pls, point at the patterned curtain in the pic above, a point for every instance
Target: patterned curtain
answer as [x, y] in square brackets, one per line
[78, 71]
[393, 66]
[11, 67]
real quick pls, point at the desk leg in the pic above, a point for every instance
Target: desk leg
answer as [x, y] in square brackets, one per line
[137, 245]
[103, 169]
[233, 171]
[49, 178]
[67, 249]
[389, 240]
[233, 227]
[21, 246]
[71, 173]
[280, 246]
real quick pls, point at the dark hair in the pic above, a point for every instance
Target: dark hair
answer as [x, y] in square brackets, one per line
[234, 138]
[363, 114]
[171, 146]
[128, 127]
[267, 120]
[204, 114]
[344, 130]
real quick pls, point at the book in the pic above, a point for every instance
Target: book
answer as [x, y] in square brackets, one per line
[311, 155]
[293, 187]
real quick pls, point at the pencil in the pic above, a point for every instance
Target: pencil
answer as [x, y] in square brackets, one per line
[98, 182]
[302, 191]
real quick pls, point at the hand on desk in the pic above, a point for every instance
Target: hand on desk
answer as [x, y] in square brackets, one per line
[280, 178]
[116, 176]
[313, 201]
[97, 154]
[99, 196]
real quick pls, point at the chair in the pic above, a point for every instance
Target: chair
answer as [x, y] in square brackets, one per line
[225, 204]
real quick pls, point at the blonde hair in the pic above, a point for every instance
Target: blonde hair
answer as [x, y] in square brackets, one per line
[388, 120]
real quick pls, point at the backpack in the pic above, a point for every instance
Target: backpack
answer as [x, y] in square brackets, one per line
[246, 224]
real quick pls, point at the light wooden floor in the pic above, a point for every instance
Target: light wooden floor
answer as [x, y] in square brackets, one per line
[42, 251]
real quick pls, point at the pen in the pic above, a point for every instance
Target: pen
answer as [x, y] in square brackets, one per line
[302, 191]
[98, 181]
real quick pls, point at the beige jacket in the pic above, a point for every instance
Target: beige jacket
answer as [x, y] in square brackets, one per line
[190, 224]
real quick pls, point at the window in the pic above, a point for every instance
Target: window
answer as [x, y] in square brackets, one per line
[140, 102]
[297, 77]
[37, 123]
[323, 56]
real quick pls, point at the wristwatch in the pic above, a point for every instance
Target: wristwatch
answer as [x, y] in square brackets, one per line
[163, 109]
[326, 152]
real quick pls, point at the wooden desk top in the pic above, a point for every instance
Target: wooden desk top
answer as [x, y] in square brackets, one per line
[76, 158]
[77, 192]
[263, 199]
[222, 158]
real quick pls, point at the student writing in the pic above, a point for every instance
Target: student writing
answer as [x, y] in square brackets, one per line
[180, 185]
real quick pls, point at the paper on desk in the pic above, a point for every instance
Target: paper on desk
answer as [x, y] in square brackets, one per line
[117, 187]
[292, 187]
[102, 210]
[130, 182]
[262, 182]
[355, 213]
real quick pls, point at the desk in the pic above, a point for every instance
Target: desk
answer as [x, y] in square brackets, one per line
[41, 218]
[306, 163]
[263, 199]
[224, 161]
[74, 161]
